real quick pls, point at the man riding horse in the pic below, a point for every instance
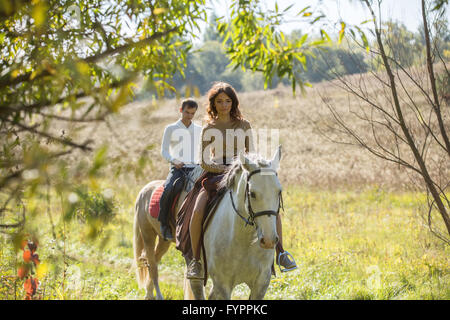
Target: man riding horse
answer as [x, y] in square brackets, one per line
[180, 144]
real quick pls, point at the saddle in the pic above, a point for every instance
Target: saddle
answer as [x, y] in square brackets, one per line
[153, 209]
[183, 238]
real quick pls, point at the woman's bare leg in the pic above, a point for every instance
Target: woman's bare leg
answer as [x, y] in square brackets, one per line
[195, 228]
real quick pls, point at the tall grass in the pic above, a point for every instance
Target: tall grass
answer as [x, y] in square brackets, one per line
[366, 244]
[361, 245]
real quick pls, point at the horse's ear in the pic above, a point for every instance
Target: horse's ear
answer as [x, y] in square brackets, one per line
[275, 162]
[246, 163]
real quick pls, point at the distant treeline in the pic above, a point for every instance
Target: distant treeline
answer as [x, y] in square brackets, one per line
[208, 62]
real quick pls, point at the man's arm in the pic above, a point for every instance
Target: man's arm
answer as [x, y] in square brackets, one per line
[165, 153]
[165, 148]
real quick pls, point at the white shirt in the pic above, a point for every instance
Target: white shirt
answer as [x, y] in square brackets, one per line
[181, 143]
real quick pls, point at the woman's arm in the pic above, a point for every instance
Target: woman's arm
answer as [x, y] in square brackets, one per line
[205, 154]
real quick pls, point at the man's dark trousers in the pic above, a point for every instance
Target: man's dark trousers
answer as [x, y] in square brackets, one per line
[168, 196]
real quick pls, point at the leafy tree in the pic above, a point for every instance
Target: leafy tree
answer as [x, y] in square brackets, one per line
[402, 43]
[332, 60]
[210, 61]
[66, 63]
[192, 79]
[438, 27]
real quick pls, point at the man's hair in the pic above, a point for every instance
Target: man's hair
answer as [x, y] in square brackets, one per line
[189, 103]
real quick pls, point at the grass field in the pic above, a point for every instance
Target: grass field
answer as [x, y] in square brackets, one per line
[365, 244]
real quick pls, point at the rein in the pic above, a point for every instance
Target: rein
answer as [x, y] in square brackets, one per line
[186, 175]
[251, 214]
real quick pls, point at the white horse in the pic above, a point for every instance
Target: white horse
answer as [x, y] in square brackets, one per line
[147, 253]
[241, 236]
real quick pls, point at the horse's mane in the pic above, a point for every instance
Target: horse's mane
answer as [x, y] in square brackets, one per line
[235, 168]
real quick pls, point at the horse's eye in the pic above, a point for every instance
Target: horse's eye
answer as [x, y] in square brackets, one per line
[253, 195]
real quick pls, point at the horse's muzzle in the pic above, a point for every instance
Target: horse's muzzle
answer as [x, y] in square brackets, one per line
[268, 244]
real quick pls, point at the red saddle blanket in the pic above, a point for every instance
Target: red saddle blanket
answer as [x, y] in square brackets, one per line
[154, 202]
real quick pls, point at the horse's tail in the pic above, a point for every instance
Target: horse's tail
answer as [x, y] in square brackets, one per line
[142, 274]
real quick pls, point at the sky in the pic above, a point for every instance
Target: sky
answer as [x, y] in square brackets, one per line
[353, 12]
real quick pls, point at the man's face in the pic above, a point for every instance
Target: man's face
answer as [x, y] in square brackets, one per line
[188, 113]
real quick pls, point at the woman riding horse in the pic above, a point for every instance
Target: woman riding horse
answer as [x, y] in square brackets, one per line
[223, 115]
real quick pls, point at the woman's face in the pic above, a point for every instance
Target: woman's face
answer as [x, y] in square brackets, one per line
[223, 104]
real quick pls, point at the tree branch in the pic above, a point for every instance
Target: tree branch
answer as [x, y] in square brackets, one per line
[7, 81]
[436, 104]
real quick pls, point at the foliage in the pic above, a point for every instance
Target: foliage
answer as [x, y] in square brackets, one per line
[254, 41]
[407, 47]
[91, 208]
[74, 63]
[332, 60]
[209, 62]
[352, 244]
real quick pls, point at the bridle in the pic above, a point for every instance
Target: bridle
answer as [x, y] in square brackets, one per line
[251, 214]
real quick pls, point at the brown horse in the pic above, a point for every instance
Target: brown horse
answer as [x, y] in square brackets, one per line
[148, 252]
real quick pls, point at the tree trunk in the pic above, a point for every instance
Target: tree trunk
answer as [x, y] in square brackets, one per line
[436, 104]
[423, 169]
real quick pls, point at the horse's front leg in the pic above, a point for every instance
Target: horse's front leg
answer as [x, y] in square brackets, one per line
[219, 291]
[258, 289]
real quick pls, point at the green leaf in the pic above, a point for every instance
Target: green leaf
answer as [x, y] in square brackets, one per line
[365, 42]
[303, 10]
[293, 84]
[316, 43]
[99, 160]
[39, 13]
[366, 21]
[341, 32]
[302, 40]
[323, 33]
[317, 19]
[288, 8]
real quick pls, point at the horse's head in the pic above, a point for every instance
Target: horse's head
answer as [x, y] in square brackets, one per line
[262, 195]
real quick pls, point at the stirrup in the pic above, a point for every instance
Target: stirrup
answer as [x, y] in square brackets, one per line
[286, 269]
[191, 275]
